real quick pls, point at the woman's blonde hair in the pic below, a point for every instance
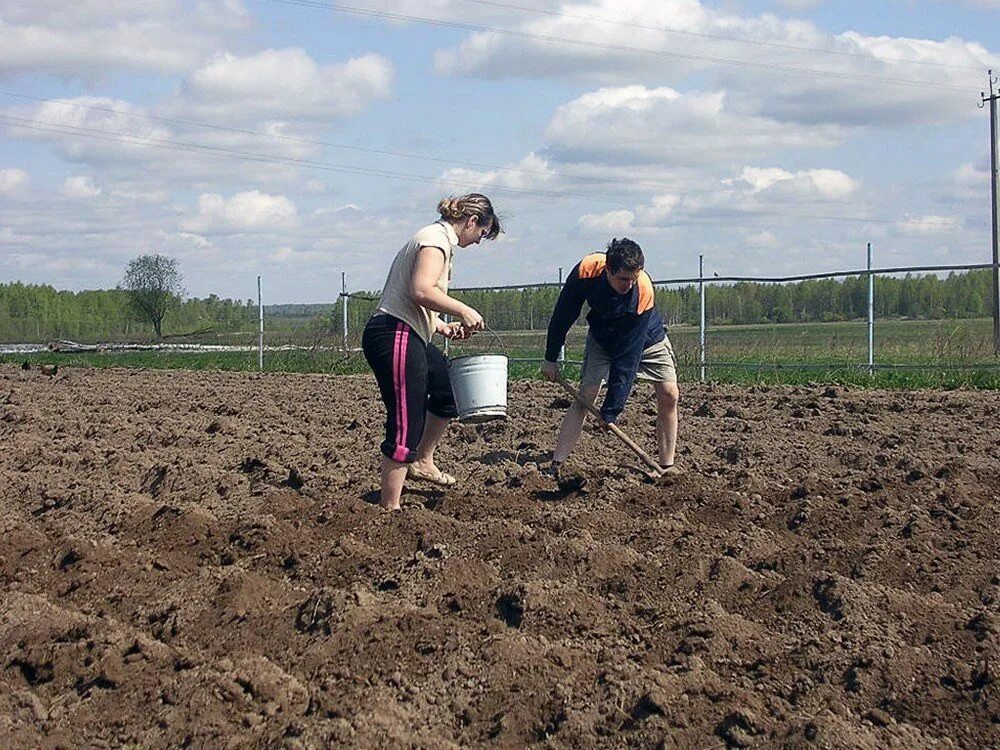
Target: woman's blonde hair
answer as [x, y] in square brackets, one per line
[455, 208]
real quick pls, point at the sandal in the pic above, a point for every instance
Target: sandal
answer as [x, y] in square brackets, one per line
[442, 479]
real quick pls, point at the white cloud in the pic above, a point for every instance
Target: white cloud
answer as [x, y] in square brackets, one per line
[612, 221]
[762, 239]
[530, 173]
[149, 156]
[70, 124]
[798, 5]
[251, 211]
[666, 41]
[285, 83]
[929, 224]
[13, 181]
[826, 183]
[346, 209]
[80, 188]
[88, 38]
[634, 124]
[139, 194]
[202, 243]
[660, 209]
[970, 176]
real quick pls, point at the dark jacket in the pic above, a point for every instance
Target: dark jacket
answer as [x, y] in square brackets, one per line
[624, 324]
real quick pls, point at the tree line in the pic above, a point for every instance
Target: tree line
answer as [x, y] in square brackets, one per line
[30, 312]
[959, 295]
[39, 312]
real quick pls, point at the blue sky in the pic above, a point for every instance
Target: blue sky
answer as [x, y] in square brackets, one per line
[293, 141]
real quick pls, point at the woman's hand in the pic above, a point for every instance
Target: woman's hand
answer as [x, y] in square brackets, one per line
[472, 320]
[455, 331]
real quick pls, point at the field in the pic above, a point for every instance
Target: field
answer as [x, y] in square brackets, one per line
[843, 344]
[909, 354]
[193, 559]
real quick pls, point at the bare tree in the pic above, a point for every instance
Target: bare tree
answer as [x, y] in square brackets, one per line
[153, 285]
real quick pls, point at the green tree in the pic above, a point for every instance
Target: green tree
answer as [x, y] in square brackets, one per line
[154, 286]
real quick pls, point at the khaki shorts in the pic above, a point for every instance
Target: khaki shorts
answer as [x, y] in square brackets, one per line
[657, 364]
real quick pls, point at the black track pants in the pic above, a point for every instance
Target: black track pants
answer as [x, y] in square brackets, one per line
[413, 379]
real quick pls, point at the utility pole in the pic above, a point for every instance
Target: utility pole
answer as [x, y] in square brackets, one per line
[992, 99]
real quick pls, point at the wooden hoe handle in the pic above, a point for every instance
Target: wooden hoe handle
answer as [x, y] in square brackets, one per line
[615, 429]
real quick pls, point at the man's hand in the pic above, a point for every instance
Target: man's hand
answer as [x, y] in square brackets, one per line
[550, 371]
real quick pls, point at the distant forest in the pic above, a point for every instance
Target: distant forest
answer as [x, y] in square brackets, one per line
[40, 313]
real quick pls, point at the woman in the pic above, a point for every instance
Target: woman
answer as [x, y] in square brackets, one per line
[412, 373]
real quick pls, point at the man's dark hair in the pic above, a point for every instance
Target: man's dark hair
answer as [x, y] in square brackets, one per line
[625, 255]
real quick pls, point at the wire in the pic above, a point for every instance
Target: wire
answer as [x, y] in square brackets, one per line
[315, 4]
[720, 37]
[833, 275]
[107, 135]
[117, 137]
[753, 279]
[365, 149]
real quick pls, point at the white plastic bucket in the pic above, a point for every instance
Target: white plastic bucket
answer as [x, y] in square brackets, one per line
[479, 382]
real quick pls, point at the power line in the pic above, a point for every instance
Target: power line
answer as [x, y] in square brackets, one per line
[384, 152]
[171, 145]
[365, 12]
[366, 149]
[719, 37]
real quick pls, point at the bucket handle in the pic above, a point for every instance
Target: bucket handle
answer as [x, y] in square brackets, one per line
[494, 337]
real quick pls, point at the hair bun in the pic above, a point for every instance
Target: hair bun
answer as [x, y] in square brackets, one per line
[450, 208]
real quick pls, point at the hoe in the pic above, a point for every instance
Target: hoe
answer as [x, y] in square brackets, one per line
[655, 473]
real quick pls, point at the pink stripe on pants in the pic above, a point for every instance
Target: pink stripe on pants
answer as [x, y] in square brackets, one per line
[399, 382]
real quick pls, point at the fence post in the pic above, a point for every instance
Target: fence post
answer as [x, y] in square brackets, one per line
[343, 298]
[260, 329]
[701, 324]
[871, 315]
[995, 210]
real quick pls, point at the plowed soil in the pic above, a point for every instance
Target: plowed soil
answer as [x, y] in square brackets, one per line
[192, 559]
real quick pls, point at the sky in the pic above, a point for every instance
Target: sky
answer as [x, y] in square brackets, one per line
[298, 140]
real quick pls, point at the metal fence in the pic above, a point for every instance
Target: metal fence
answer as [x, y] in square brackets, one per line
[979, 356]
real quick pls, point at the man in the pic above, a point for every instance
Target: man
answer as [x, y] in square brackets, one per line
[626, 338]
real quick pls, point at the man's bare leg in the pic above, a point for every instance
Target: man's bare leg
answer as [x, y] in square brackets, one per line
[572, 424]
[667, 396]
